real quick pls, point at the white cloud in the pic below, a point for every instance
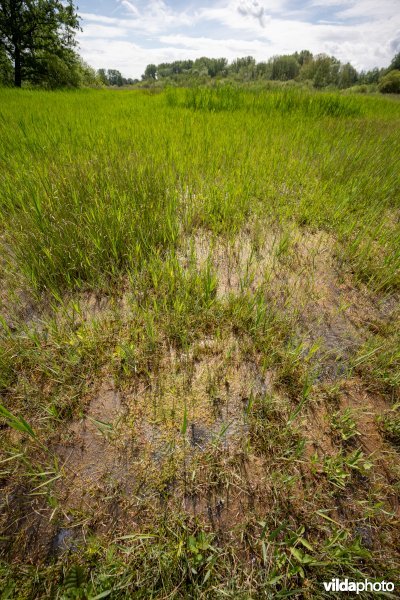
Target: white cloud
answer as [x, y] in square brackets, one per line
[364, 32]
[253, 9]
[94, 30]
[131, 59]
[155, 16]
[244, 15]
[367, 9]
[394, 43]
[231, 48]
[131, 7]
[257, 10]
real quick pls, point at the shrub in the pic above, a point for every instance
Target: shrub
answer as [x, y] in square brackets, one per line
[390, 83]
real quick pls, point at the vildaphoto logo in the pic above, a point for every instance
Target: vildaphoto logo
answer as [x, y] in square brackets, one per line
[346, 585]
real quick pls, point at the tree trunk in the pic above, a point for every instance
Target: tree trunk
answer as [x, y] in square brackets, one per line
[17, 68]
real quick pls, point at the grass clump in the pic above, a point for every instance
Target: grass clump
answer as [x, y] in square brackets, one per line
[390, 424]
[96, 232]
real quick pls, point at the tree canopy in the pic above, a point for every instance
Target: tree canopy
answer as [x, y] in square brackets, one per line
[113, 77]
[390, 83]
[395, 64]
[38, 37]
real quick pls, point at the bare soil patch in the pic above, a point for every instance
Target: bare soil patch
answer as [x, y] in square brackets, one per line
[299, 275]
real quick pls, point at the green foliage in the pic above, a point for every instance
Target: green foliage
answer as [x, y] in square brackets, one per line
[348, 76]
[88, 77]
[38, 36]
[338, 468]
[127, 228]
[379, 358]
[74, 583]
[390, 83]
[150, 72]
[112, 77]
[219, 99]
[102, 75]
[213, 66]
[285, 68]
[390, 425]
[6, 366]
[115, 78]
[370, 77]
[395, 64]
[321, 70]
[6, 70]
[50, 71]
[17, 423]
[229, 98]
[244, 66]
[304, 57]
[345, 425]
[200, 554]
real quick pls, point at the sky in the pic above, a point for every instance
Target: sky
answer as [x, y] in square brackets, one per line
[129, 34]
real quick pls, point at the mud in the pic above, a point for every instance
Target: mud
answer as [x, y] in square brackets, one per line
[299, 276]
[93, 457]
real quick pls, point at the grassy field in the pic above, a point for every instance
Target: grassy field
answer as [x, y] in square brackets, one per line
[199, 343]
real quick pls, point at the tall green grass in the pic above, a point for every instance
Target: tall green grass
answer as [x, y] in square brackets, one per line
[93, 183]
[227, 98]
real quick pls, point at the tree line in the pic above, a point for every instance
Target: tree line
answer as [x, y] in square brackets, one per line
[113, 77]
[321, 70]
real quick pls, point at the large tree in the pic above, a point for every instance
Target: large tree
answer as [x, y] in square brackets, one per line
[32, 32]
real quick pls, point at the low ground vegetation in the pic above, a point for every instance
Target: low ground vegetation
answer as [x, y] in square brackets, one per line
[199, 351]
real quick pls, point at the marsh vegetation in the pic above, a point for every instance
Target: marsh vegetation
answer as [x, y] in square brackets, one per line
[199, 351]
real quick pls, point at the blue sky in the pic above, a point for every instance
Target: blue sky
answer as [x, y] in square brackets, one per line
[129, 34]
